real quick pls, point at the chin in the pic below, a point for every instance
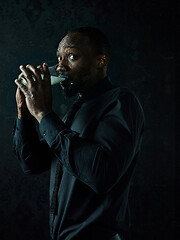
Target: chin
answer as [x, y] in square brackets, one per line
[69, 89]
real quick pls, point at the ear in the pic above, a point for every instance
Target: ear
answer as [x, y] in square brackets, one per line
[102, 61]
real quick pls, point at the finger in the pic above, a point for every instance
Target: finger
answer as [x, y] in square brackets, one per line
[27, 74]
[20, 75]
[21, 86]
[46, 73]
[36, 72]
[22, 79]
[19, 95]
[19, 92]
[40, 68]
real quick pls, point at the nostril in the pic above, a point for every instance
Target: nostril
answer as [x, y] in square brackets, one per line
[60, 68]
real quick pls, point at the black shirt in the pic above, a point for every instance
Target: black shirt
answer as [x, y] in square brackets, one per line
[97, 156]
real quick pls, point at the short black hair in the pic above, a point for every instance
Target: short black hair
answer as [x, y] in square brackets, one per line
[96, 37]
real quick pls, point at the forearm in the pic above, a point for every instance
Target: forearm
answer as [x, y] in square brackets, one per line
[92, 162]
[34, 155]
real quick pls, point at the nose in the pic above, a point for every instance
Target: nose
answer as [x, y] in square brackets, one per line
[60, 68]
[62, 65]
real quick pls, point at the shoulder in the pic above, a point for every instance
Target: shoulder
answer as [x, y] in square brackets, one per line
[123, 101]
[124, 95]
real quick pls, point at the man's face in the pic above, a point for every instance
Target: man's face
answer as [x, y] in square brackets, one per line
[77, 58]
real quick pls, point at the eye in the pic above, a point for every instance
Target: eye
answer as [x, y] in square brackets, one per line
[72, 57]
[59, 59]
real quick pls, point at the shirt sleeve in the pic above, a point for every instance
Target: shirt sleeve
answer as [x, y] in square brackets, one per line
[34, 155]
[99, 163]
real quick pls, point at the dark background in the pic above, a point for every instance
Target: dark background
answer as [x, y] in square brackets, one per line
[142, 35]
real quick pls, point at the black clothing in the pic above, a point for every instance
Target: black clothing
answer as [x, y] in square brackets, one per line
[96, 158]
[75, 107]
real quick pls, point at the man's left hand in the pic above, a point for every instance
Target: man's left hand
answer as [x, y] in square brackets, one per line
[37, 92]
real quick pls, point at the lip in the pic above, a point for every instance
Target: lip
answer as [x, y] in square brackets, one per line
[67, 77]
[63, 74]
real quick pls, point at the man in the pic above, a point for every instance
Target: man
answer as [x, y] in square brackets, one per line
[93, 151]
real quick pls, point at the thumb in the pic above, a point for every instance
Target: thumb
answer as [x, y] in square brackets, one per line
[46, 73]
[20, 93]
[22, 89]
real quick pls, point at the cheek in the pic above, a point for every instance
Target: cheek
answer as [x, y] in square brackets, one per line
[81, 67]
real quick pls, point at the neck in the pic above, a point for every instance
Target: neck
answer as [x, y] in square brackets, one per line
[91, 83]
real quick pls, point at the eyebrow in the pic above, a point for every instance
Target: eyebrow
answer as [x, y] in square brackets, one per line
[69, 47]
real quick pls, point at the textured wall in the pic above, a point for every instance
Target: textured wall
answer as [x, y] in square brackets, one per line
[143, 44]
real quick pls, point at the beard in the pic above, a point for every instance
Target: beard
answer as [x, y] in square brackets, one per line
[69, 88]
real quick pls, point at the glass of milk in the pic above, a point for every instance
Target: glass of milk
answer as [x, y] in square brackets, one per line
[55, 77]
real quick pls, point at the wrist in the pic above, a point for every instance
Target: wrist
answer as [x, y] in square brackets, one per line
[24, 115]
[40, 115]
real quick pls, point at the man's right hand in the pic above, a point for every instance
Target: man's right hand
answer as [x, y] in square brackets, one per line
[22, 109]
